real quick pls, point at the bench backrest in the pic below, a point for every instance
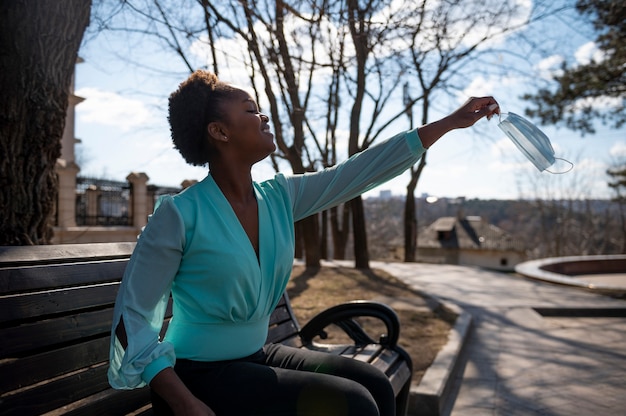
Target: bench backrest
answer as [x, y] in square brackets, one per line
[57, 304]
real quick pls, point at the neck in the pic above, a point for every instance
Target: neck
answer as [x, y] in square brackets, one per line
[235, 184]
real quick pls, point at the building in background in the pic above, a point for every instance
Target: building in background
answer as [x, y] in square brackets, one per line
[469, 240]
[93, 210]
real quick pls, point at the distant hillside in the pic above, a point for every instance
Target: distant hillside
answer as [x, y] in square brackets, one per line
[549, 228]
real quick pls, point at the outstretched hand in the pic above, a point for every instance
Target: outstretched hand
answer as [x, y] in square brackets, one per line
[473, 110]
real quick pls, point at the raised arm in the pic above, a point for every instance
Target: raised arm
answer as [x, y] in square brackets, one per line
[311, 193]
[465, 116]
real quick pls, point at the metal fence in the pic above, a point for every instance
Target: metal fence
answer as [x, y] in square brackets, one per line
[104, 202]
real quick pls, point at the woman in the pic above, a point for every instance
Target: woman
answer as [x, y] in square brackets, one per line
[224, 248]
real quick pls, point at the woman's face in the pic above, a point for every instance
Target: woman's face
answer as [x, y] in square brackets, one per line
[247, 128]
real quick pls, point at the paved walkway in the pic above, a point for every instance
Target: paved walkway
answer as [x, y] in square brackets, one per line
[518, 362]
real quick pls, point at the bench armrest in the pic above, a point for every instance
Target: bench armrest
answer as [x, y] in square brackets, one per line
[342, 315]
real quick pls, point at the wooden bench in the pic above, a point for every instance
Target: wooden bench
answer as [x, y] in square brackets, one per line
[56, 305]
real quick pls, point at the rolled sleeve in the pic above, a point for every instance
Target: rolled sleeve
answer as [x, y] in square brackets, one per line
[155, 367]
[142, 300]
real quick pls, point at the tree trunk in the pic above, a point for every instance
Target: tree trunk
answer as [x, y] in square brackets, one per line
[340, 231]
[310, 233]
[361, 255]
[410, 213]
[299, 241]
[622, 219]
[360, 37]
[410, 223]
[324, 235]
[39, 41]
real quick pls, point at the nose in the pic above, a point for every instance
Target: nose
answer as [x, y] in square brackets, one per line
[264, 118]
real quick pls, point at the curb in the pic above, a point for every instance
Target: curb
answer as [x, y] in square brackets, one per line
[433, 393]
[571, 271]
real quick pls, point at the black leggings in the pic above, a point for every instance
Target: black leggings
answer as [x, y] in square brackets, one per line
[285, 381]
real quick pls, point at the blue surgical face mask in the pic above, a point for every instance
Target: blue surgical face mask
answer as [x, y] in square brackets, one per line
[531, 141]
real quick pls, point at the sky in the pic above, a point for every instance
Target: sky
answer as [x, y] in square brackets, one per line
[122, 126]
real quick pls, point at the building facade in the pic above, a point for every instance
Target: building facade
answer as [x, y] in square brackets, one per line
[95, 210]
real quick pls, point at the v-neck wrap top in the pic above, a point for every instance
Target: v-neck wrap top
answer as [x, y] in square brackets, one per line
[195, 248]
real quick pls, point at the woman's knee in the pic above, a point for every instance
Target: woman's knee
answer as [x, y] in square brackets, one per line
[349, 399]
[372, 378]
[378, 385]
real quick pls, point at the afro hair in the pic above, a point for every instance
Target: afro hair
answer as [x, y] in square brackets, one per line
[195, 104]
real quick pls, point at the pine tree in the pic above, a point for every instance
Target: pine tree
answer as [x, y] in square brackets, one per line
[579, 86]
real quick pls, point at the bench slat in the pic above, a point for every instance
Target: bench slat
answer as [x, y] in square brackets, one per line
[35, 278]
[283, 325]
[109, 402]
[63, 253]
[278, 333]
[336, 349]
[368, 353]
[399, 377]
[18, 340]
[386, 359]
[33, 369]
[280, 314]
[56, 393]
[25, 306]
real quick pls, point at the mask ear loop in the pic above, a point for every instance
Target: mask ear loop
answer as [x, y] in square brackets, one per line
[571, 166]
[500, 116]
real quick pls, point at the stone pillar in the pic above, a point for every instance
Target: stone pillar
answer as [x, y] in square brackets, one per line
[68, 140]
[93, 205]
[66, 209]
[139, 198]
[66, 167]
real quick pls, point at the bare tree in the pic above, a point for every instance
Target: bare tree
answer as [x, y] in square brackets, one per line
[323, 68]
[291, 52]
[447, 40]
[564, 220]
[39, 43]
[617, 182]
[269, 52]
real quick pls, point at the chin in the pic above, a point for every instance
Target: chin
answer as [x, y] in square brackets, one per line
[271, 147]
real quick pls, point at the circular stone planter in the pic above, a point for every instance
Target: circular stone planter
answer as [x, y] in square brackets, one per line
[602, 274]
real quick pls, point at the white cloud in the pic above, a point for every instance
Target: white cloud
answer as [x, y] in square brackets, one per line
[506, 157]
[479, 86]
[499, 87]
[598, 103]
[233, 65]
[111, 109]
[550, 67]
[515, 15]
[509, 166]
[587, 53]
[618, 150]
[591, 165]
[500, 147]
[468, 23]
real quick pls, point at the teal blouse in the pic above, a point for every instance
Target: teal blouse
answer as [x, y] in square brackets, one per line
[223, 295]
